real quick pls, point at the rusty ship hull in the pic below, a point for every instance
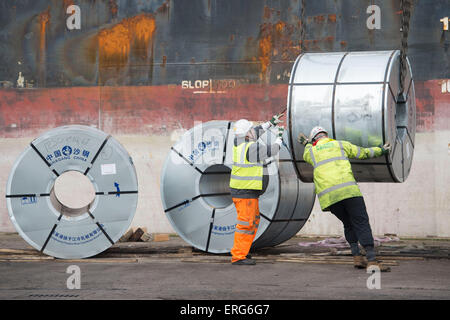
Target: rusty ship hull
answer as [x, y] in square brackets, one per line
[135, 66]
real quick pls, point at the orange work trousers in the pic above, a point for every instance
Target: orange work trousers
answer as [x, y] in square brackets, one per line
[246, 227]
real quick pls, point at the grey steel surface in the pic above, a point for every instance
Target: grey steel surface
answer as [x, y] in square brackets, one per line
[29, 192]
[196, 199]
[354, 95]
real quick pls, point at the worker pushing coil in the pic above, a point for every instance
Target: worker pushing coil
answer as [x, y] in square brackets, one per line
[362, 125]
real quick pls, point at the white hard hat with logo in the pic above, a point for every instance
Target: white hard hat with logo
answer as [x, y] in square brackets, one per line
[315, 131]
[241, 127]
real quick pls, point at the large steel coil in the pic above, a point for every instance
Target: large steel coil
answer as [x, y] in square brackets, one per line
[355, 96]
[196, 196]
[59, 169]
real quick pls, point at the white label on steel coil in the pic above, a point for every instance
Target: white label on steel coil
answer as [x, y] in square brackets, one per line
[108, 168]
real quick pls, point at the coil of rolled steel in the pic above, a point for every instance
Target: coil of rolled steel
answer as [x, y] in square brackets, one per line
[355, 97]
[196, 196]
[73, 192]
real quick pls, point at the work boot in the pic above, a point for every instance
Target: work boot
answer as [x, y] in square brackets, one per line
[244, 262]
[382, 267]
[359, 262]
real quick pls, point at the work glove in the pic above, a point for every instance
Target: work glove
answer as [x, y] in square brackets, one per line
[276, 119]
[385, 148]
[272, 122]
[279, 139]
[301, 138]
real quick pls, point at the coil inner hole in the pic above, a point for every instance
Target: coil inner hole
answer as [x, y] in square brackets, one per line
[72, 194]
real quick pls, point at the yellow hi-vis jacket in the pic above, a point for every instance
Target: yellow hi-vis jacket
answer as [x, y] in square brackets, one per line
[245, 174]
[333, 176]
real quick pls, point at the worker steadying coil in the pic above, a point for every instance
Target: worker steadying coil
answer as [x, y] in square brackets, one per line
[338, 191]
[248, 182]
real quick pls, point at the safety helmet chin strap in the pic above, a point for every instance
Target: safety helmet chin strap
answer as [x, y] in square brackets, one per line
[319, 136]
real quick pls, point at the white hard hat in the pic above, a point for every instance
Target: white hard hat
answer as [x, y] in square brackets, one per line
[315, 131]
[241, 127]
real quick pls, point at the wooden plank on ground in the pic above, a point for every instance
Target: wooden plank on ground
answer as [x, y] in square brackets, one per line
[329, 261]
[25, 257]
[127, 235]
[146, 237]
[158, 237]
[136, 235]
[18, 251]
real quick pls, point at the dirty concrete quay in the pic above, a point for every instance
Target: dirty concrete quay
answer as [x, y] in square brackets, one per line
[173, 270]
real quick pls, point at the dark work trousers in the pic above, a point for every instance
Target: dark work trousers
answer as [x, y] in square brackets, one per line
[353, 214]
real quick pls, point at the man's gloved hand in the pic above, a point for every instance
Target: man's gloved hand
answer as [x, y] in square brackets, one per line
[276, 119]
[280, 132]
[302, 138]
[385, 148]
[279, 139]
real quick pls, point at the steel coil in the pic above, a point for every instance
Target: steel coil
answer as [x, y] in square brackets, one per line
[98, 166]
[355, 96]
[196, 196]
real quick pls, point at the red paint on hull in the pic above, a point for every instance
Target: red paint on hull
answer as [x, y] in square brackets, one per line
[432, 106]
[161, 109]
[30, 112]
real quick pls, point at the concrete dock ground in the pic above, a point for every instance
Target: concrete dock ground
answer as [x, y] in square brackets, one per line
[173, 270]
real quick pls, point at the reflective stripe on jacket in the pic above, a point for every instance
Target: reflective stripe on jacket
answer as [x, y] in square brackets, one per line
[333, 176]
[245, 174]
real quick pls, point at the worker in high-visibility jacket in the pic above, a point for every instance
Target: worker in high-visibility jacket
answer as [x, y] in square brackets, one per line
[338, 191]
[248, 181]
